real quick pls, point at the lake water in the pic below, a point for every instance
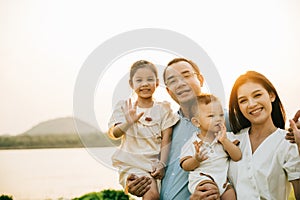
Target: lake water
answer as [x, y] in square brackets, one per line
[55, 173]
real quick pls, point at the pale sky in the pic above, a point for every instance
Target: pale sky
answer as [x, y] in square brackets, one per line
[45, 43]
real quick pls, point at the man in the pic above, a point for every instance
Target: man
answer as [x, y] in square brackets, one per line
[183, 82]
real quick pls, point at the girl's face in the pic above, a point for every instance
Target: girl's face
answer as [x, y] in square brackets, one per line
[210, 118]
[144, 82]
[255, 102]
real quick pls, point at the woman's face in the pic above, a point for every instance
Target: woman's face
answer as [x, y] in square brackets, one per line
[255, 102]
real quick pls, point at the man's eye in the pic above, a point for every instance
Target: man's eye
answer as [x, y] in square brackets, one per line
[171, 81]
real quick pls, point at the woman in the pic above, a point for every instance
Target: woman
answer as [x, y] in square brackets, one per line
[269, 162]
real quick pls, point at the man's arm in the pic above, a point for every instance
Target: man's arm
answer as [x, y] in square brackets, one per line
[296, 133]
[290, 134]
[206, 192]
[137, 186]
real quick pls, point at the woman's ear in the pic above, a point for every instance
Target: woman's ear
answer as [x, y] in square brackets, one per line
[201, 79]
[272, 96]
[195, 122]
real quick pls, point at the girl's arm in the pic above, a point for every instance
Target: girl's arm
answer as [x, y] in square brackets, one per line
[159, 168]
[165, 145]
[119, 130]
[131, 117]
[296, 186]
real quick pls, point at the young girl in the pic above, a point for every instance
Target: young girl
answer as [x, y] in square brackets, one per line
[145, 130]
[206, 154]
[269, 162]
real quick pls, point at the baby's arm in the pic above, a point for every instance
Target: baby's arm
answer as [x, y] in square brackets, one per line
[159, 168]
[233, 151]
[189, 163]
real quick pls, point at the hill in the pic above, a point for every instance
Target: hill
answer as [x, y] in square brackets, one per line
[61, 126]
[58, 133]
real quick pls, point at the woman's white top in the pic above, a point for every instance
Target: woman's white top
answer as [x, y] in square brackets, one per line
[266, 173]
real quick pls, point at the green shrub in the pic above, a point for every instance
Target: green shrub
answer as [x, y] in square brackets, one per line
[105, 195]
[5, 197]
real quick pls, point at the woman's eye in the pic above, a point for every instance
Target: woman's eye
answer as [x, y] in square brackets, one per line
[257, 95]
[242, 101]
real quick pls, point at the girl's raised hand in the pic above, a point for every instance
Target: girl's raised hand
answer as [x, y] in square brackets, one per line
[130, 112]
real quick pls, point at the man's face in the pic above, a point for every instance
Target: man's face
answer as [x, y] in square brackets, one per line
[183, 82]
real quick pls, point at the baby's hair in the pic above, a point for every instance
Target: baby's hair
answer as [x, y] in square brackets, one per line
[203, 99]
[206, 98]
[142, 64]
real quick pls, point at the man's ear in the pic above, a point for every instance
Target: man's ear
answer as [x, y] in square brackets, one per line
[195, 122]
[172, 95]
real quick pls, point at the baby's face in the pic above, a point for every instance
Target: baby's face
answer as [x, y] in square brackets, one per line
[210, 116]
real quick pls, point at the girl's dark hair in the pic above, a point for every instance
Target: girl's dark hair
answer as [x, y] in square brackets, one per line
[237, 119]
[142, 64]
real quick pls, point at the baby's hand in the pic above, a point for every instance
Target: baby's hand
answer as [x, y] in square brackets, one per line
[199, 155]
[221, 135]
[158, 170]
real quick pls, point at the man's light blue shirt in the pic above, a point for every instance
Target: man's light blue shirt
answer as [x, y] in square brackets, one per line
[175, 182]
